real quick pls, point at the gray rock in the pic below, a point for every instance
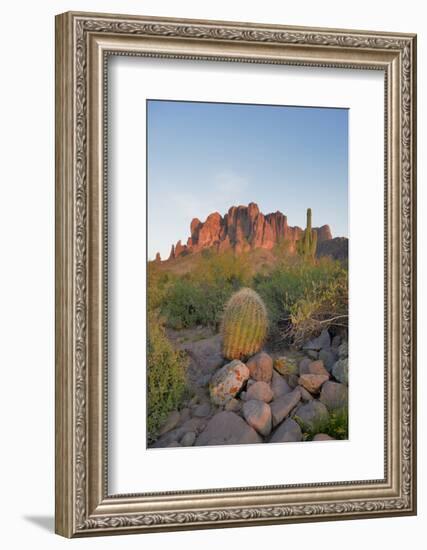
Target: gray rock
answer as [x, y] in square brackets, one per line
[305, 395]
[336, 341]
[279, 385]
[282, 406]
[261, 391]
[227, 428]
[193, 425]
[205, 356]
[340, 370]
[334, 395]
[323, 437]
[174, 444]
[233, 405]
[311, 415]
[258, 415]
[204, 380]
[322, 341]
[343, 350]
[260, 367]
[243, 396]
[312, 354]
[328, 356]
[313, 382]
[304, 365]
[250, 383]
[228, 381]
[171, 422]
[317, 367]
[293, 380]
[185, 415]
[188, 439]
[202, 410]
[288, 430]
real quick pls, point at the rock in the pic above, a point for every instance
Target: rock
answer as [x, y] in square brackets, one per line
[258, 415]
[340, 370]
[185, 415]
[305, 395]
[328, 357]
[205, 357]
[343, 350]
[188, 439]
[336, 341]
[288, 430]
[286, 365]
[334, 395]
[311, 415]
[250, 383]
[282, 406]
[313, 382]
[228, 381]
[171, 422]
[304, 365]
[260, 391]
[313, 354]
[322, 341]
[202, 410]
[323, 437]
[317, 367]
[279, 385]
[174, 444]
[244, 228]
[243, 396]
[293, 380]
[227, 428]
[233, 405]
[260, 367]
[194, 400]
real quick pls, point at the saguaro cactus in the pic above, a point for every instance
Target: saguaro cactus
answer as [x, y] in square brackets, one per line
[244, 324]
[307, 245]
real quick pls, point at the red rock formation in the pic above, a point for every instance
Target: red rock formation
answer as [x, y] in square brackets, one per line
[241, 229]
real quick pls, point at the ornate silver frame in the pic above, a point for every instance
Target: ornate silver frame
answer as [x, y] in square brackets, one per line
[83, 505]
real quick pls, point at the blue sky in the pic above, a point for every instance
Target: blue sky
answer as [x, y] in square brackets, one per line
[206, 157]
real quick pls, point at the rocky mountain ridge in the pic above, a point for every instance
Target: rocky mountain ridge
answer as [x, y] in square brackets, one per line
[241, 229]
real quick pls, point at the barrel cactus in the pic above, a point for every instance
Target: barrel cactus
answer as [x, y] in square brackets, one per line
[244, 324]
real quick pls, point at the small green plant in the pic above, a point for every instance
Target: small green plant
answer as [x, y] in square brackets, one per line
[244, 324]
[166, 377]
[306, 246]
[336, 425]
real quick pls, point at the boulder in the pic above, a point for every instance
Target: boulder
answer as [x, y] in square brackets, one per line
[292, 380]
[260, 367]
[322, 341]
[202, 410]
[185, 415]
[188, 439]
[328, 357]
[171, 422]
[312, 382]
[233, 404]
[343, 350]
[334, 395]
[286, 365]
[205, 357]
[311, 415]
[336, 341]
[279, 385]
[260, 391]
[305, 395]
[282, 406]
[304, 365]
[340, 370]
[313, 354]
[323, 437]
[258, 415]
[227, 428]
[317, 367]
[288, 430]
[228, 381]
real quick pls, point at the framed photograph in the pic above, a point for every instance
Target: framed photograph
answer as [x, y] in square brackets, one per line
[235, 274]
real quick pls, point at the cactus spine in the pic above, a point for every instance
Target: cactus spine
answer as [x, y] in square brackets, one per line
[244, 324]
[307, 245]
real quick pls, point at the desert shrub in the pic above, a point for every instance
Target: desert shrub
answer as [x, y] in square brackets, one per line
[244, 324]
[165, 377]
[302, 298]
